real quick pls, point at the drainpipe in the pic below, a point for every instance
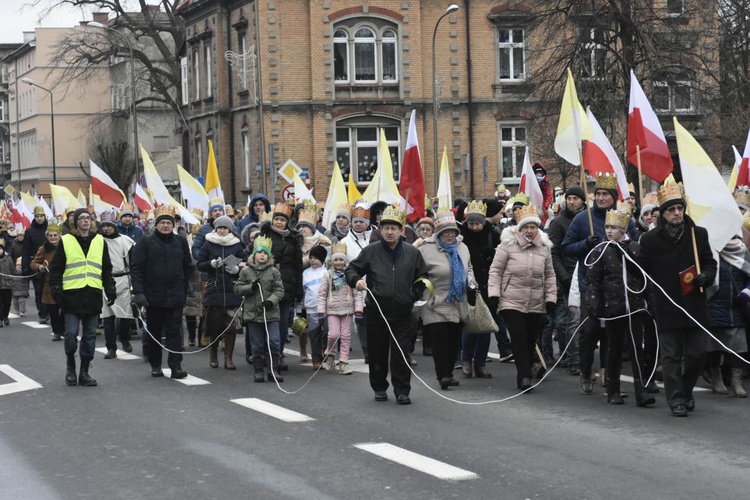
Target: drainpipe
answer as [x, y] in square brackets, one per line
[232, 163]
[467, 14]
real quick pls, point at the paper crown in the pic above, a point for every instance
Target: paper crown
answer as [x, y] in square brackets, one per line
[265, 217]
[2, 242]
[742, 197]
[197, 212]
[54, 227]
[360, 213]
[344, 210]
[311, 206]
[477, 207]
[617, 218]
[631, 187]
[746, 221]
[624, 206]
[307, 217]
[338, 249]
[521, 198]
[605, 181]
[670, 192]
[215, 203]
[126, 209]
[393, 214]
[228, 210]
[262, 244]
[108, 217]
[39, 211]
[526, 214]
[164, 211]
[283, 209]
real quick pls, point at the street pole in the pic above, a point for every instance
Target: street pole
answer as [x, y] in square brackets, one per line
[31, 82]
[451, 8]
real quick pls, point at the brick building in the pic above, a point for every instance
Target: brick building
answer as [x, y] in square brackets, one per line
[319, 80]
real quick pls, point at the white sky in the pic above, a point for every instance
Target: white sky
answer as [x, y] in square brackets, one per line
[16, 17]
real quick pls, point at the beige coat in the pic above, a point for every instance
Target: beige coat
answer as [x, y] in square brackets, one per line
[521, 273]
[437, 309]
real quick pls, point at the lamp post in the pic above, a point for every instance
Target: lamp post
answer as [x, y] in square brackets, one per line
[31, 82]
[132, 92]
[451, 8]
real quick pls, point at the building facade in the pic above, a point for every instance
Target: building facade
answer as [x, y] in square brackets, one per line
[5, 49]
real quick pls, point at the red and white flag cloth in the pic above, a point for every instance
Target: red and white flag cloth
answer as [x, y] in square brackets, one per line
[600, 156]
[412, 176]
[104, 187]
[21, 215]
[529, 185]
[743, 175]
[141, 199]
[644, 130]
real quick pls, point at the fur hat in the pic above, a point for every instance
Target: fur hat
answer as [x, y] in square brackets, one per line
[319, 252]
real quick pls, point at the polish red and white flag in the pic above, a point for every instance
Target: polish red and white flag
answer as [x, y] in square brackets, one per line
[600, 157]
[412, 176]
[141, 199]
[743, 171]
[104, 187]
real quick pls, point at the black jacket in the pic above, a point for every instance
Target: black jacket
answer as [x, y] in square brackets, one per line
[160, 269]
[219, 290]
[85, 300]
[725, 306]
[663, 259]
[390, 281]
[287, 254]
[605, 290]
[482, 247]
[35, 237]
[564, 265]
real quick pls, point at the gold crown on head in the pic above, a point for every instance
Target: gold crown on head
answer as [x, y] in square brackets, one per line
[617, 218]
[521, 198]
[311, 206]
[393, 214]
[283, 208]
[624, 206]
[669, 192]
[167, 210]
[360, 213]
[605, 181]
[265, 217]
[307, 216]
[526, 211]
[214, 202]
[477, 207]
[39, 211]
[338, 248]
[197, 212]
[262, 244]
[54, 227]
[742, 197]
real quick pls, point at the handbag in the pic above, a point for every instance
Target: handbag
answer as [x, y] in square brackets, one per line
[480, 318]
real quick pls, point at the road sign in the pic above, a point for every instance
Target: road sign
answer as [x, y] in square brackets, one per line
[288, 192]
[288, 170]
[9, 190]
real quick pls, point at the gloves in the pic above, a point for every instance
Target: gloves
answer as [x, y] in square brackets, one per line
[358, 315]
[417, 289]
[233, 270]
[471, 296]
[267, 304]
[700, 280]
[592, 241]
[550, 307]
[574, 311]
[111, 300]
[493, 303]
[217, 263]
[140, 300]
[745, 296]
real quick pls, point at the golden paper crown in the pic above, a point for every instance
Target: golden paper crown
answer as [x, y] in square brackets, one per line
[54, 227]
[265, 217]
[605, 181]
[162, 210]
[197, 212]
[477, 207]
[617, 218]
[262, 244]
[311, 206]
[746, 221]
[360, 213]
[631, 187]
[338, 248]
[283, 208]
[742, 197]
[522, 198]
[39, 211]
[670, 192]
[307, 216]
[2, 242]
[126, 209]
[525, 212]
[650, 198]
[393, 214]
[624, 206]
[214, 202]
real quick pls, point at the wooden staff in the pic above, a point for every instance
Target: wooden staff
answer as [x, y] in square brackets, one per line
[640, 175]
[695, 244]
[586, 191]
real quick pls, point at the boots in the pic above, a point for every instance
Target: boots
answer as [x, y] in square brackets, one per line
[124, 334]
[303, 358]
[467, 369]
[213, 359]
[613, 392]
[111, 353]
[83, 377]
[739, 391]
[717, 383]
[229, 340]
[70, 373]
[642, 397]
[275, 359]
[259, 376]
[481, 372]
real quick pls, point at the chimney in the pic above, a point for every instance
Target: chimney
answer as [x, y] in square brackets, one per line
[101, 17]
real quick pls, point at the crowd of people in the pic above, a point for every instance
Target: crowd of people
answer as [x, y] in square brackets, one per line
[637, 283]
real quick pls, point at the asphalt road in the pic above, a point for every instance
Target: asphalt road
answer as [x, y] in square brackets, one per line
[135, 436]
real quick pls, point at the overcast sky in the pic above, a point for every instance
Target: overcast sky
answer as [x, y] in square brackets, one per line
[16, 17]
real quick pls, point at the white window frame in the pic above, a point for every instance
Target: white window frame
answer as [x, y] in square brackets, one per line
[197, 74]
[345, 37]
[516, 146]
[246, 157]
[344, 41]
[510, 47]
[209, 69]
[353, 144]
[184, 80]
[672, 11]
[390, 41]
[365, 41]
[671, 85]
[2, 110]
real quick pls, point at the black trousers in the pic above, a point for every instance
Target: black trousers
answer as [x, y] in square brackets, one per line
[591, 333]
[165, 322]
[6, 297]
[384, 353]
[446, 342]
[524, 329]
[56, 319]
[41, 308]
[115, 328]
[682, 355]
[618, 334]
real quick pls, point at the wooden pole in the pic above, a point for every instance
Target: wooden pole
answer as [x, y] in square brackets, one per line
[586, 191]
[695, 244]
[640, 176]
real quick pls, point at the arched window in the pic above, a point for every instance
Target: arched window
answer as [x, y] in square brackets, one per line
[365, 62]
[341, 55]
[389, 56]
[357, 147]
[365, 54]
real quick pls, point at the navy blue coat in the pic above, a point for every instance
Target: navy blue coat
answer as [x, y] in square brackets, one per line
[726, 311]
[251, 217]
[160, 268]
[132, 230]
[219, 291]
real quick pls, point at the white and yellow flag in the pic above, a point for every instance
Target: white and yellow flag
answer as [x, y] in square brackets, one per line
[445, 191]
[63, 200]
[192, 191]
[337, 196]
[159, 192]
[382, 186]
[573, 127]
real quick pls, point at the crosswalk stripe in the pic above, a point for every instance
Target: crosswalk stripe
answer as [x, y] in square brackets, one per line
[189, 380]
[22, 382]
[35, 324]
[272, 410]
[357, 365]
[416, 461]
[13, 316]
[126, 356]
[627, 378]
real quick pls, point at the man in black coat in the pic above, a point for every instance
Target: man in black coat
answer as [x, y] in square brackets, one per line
[160, 270]
[35, 237]
[667, 256]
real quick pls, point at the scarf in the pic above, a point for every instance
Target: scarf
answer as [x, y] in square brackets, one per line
[282, 232]
[458, 275]
[393, 252]
[340, 232]
[674, 231]
[736, 254]
[337, 279]
[310, 242]
[224, 241]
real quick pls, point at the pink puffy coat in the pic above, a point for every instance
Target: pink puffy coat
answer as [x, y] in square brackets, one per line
[341, 302]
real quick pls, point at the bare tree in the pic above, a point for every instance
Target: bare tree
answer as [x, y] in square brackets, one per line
[110, 152]
[734, 16]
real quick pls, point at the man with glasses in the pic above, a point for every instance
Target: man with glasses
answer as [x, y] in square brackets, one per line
[35, 237]
[80, 270]
[677, 256]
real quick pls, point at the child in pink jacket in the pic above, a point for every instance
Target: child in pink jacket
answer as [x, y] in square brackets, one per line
[337, 301]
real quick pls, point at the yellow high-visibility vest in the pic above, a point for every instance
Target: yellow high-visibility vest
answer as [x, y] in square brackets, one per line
[82, 270]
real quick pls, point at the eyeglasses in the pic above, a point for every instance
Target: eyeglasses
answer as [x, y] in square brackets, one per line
[84, 217]
[676, 208]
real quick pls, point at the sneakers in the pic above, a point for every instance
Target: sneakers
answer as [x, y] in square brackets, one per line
[574, 370]
[6, 322]
[506, 355]
[42, 321]
[328, 364]
[344, 368]
[586, 385]
[57, 338]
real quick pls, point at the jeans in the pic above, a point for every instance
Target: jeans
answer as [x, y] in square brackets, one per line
[257, 333]
[88, 323]
[38, 282]
[573, 319]
[474, 347]
[166, 322]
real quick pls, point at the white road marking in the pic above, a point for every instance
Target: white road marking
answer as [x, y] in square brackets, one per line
[357, 365]
[126, 356]
[627, 378]
[493, 355]
[189, 380]
[13, 316]
[35, 324]
[416, 461]
[22, 382]
[272, 410]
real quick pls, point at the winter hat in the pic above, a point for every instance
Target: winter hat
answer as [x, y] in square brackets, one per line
[494, 207]
[538, 168]
[475, 212]
[79, 212]
[360, 213]
[338, 251]
[445, 221]
[282, 210]
[224, 221]
[426, 220]
[344, 211]
[576, 191]
[108, 218]
[262, 244]
[319, 252]
[528, 215]
[215, 203]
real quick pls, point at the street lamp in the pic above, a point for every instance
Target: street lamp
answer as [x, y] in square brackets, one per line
[31, 82]
[451, 8]
[132, 92]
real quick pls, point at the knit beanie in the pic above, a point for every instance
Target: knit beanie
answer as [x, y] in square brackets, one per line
[224, 221]
[319, 252]
[576, 191]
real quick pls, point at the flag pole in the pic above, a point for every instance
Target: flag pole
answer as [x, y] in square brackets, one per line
[640, 175]
[585, 190]
[695, 245]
